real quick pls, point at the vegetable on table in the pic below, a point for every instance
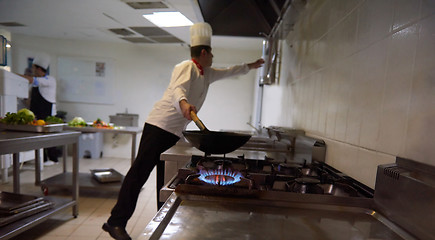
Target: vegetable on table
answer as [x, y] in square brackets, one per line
[53, 119]
[77, 122]
[23, 116]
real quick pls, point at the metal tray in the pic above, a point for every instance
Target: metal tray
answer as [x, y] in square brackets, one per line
[57, 127]
[5, 213]
[36, 208]
[106, 175]
[12, 201]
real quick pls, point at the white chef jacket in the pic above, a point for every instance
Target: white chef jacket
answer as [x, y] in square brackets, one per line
[47, 87]
[187, 83]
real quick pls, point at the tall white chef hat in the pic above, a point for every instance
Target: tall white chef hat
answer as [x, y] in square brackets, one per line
[42, 60]
[200, 34]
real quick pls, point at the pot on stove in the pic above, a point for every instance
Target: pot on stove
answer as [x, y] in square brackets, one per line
[214, 142]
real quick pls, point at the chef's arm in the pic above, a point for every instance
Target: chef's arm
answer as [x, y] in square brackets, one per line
[221, 73]
[186, 108]
[29, 78]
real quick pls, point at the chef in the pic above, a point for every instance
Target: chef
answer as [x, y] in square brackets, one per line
[169, 117]
[43, 95]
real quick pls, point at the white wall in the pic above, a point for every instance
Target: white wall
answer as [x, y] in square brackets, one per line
[141, 74]
[360, 75]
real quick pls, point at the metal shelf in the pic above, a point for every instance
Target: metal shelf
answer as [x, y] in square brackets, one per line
[86, 181]
[17, 227]
[14, 142]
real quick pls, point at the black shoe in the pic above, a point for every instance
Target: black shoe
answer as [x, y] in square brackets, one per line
[117, 233]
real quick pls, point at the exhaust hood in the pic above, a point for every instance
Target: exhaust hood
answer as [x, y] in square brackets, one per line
[245, 18]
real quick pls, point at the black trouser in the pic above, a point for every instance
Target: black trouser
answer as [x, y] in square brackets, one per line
[154, 141]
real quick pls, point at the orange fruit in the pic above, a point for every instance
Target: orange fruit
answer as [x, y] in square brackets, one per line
[40, 122]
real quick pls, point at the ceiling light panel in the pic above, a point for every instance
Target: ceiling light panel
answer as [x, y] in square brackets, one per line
[168, 19]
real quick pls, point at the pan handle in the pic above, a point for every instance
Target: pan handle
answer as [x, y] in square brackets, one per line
[197, 121]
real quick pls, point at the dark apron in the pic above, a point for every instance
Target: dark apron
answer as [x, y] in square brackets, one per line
[39, 106]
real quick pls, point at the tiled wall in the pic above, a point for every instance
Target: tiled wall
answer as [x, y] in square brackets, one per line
[360, 74]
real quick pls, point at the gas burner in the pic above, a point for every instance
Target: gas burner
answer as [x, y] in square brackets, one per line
[221, 177]
[310, 172]
[292, 169]
[241, 173]
[305, 185]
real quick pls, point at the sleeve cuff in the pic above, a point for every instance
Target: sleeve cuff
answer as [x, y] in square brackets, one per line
[35, 82]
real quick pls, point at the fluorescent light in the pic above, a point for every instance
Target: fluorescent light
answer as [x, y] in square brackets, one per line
[168, 19]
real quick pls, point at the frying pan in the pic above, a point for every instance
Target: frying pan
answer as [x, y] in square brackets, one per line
[213, 142]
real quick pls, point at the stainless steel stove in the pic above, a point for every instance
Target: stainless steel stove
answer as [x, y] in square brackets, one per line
[219, 175]
[268, 196]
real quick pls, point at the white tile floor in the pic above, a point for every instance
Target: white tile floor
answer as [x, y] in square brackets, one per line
[94, 206]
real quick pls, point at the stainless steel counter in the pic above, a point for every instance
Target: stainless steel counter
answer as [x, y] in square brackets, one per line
[193, 213]
[192, 217]
[12, 142]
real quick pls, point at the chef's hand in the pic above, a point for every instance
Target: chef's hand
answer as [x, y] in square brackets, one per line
[256, 64]
[28, 77]
[186, 108]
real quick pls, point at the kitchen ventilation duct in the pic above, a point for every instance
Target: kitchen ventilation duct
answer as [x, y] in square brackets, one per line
[146, 5]
[247, 18]
[121, 31]
[137, 40]
[151, 35]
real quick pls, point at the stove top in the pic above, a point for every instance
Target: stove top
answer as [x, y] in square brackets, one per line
[240, 190]
[247, 177]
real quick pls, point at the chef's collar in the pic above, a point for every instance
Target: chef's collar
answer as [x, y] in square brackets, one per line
[201, 70]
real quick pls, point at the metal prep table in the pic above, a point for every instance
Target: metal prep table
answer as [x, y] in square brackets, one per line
[123, 130]
[186, 216]
[86, 181]
[12, 142]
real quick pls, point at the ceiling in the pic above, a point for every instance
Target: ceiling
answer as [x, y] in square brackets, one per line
[120, 21]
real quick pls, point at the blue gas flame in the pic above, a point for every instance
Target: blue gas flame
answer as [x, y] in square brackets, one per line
[220, 177]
